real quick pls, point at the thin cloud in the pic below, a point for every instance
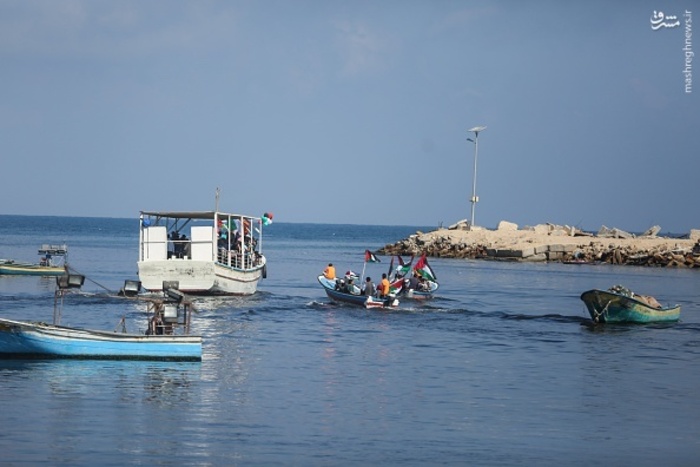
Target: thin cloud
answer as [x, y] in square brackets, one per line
[82, 29]
[459, 18]
[362, 49]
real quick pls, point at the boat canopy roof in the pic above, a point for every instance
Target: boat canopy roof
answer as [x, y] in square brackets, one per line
[57, 250]
[192, 214]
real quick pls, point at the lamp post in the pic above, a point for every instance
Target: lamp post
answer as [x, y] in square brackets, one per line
[475, 199]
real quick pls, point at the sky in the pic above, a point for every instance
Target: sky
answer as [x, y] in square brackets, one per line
[353, 112]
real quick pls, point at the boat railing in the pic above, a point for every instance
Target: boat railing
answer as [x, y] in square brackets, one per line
[242, 235]
[238, 260]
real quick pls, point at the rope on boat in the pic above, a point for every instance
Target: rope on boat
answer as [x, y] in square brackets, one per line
[122, 323]
[605, 309]
[150, 300]
[70, 268]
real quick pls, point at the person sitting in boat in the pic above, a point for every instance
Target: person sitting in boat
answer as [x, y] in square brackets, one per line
[155, 325]
[329, 272]
[340, 285]
[649, 300]
[423, 284]
[350, 276]
[352, 288]
[368, 290]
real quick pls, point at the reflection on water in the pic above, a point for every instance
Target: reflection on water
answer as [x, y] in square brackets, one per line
[157, 382]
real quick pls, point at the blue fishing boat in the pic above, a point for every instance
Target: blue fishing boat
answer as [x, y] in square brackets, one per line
[338, 294]
[41, 340]
[620, 305]
[166, 338]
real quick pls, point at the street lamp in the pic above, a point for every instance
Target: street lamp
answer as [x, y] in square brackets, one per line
[475, 199]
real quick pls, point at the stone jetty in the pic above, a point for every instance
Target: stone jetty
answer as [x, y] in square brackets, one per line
[551, 242]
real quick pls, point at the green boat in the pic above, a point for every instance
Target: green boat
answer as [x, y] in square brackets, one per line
[52, 263]
[620, 305]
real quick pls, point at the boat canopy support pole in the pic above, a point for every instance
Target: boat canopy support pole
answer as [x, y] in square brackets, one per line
[58, 306]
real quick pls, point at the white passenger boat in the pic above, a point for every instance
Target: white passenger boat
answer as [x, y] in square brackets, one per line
[203, 252]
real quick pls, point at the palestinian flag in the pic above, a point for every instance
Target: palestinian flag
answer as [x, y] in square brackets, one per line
[403, 268]
[395, 287]
[370, 258]
[423, 268]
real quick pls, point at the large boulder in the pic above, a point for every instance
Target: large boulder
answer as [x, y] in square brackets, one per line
[606, 232]
[461, 225]
[652, 231]
[507, 226]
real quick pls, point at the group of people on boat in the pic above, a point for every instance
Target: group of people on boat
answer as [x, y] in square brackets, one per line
[347, 284]
[415, 281]
[233, 251]
[179, 245]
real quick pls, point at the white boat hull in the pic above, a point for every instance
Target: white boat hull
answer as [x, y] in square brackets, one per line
[200, 277]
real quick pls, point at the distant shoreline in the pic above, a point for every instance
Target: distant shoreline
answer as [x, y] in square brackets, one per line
[551, 243]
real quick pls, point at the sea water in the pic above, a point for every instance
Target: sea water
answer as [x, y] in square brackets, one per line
[500, 368]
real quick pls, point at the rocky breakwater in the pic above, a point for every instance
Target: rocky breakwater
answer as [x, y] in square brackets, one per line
[550, 242]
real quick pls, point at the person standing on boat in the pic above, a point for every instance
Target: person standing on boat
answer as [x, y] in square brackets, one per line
[329, 272]
[384, 286]
[173, 245]
[187, 249]
[368, 291]
[414, 281]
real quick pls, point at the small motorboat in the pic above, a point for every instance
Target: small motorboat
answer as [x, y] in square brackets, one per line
[52, 263]
[620, 305]
[337, 294]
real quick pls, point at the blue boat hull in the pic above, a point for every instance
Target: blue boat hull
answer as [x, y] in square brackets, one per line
[39, 340]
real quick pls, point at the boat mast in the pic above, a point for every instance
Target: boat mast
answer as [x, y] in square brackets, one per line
[217, 199]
